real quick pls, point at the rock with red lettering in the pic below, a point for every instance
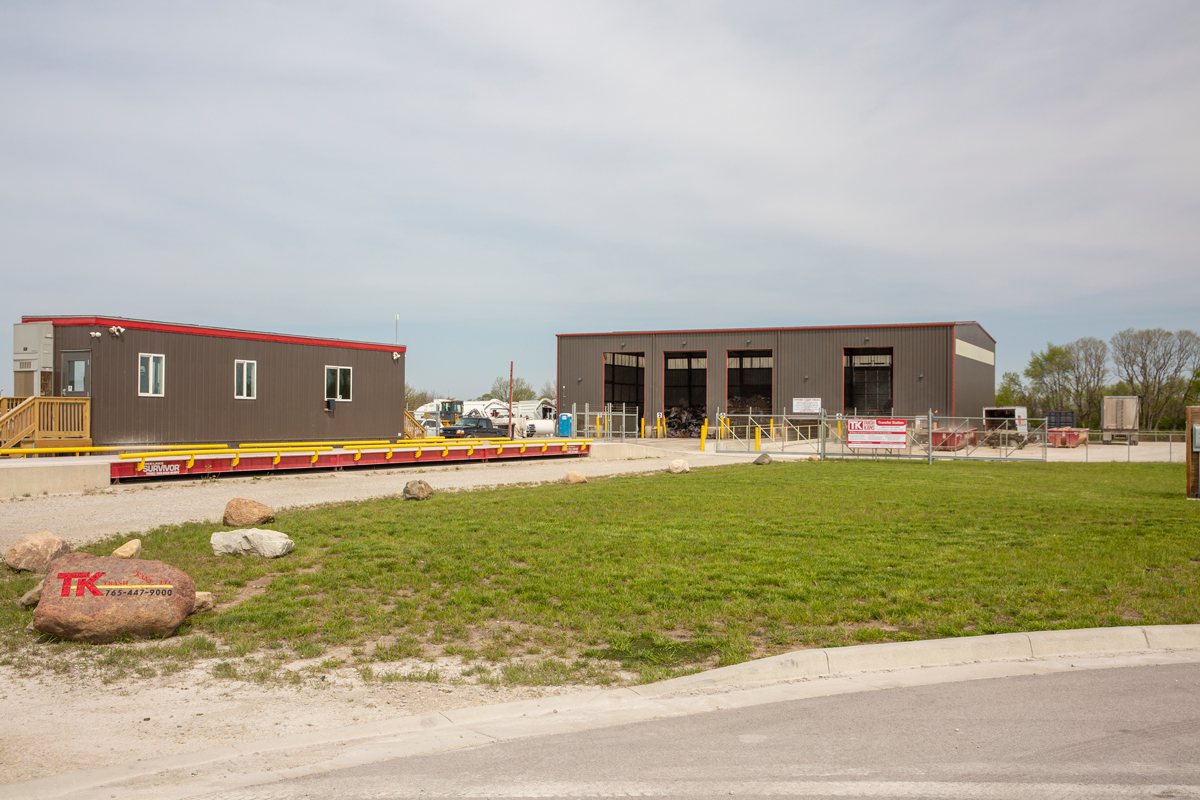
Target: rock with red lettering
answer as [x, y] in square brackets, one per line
[33, 552]
[98, 599]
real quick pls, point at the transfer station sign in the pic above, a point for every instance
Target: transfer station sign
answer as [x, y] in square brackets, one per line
[874, 434]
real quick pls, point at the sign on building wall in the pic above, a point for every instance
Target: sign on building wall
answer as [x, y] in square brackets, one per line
[875, 434]
[806, 405]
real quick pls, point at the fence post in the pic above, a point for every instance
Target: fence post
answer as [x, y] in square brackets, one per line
[821, 425]
[930, 443]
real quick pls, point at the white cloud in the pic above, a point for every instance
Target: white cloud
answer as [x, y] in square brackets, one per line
[314, 168]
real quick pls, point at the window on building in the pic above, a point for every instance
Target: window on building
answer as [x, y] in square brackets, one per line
[245, 380]
[150, 374]
[338, 383]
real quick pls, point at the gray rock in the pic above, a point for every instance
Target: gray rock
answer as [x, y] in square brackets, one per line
[417, 490]
[30, 598]
[678, 467]
[33, 553]
[243, 513]
[763, 459]
[574, 477]
[131, 549]
[251, 542]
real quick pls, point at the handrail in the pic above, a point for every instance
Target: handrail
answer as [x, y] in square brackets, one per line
[23, 451]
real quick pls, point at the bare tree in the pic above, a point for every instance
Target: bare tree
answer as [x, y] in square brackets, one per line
[1155, 364]
[1086, 378]
[549, 390]
[415, 398]
[499, 391]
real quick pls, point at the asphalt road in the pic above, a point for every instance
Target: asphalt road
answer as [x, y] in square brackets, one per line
[1106, 733]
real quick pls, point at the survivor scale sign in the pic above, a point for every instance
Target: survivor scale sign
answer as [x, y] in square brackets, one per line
[876, 434]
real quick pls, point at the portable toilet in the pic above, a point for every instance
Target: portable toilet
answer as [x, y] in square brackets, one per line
[564, 425]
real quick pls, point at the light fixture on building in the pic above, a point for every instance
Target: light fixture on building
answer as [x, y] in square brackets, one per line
[95, 334]
[921, 376]
[395, 356]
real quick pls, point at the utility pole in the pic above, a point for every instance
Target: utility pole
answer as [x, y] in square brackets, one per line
[397, 329]
[510, 380]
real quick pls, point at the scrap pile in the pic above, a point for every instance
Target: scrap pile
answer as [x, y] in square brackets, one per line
[684, 421]
[744, 405]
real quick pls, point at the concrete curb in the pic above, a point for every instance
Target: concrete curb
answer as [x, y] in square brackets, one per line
[798, 675]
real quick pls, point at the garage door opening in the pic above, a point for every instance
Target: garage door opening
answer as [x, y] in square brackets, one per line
[685, 391]
[625, 381]
[868, 380]
[748, 381]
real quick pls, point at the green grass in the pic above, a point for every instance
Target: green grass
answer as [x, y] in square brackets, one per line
[660, 575]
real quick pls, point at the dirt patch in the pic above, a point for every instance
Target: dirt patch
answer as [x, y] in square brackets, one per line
[252, 589]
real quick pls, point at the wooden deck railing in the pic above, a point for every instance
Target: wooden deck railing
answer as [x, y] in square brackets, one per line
[43, 419]
[413, 429]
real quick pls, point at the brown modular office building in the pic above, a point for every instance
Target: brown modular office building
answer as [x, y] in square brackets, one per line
[164, 383]
[904, 370]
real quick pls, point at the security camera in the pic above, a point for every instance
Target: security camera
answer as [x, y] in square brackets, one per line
[95, 334]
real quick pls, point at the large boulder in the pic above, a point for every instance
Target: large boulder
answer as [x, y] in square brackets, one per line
[243, 513]
[131, 549]
[678, 467]
[763, 459]
[251, 542]
[417, 490]
[574, 477]
[33, 553]
[98, 599]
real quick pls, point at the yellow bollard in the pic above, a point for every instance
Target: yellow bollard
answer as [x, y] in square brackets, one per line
[643, 427]
[703, 434]
[757, 443]
[772, 429]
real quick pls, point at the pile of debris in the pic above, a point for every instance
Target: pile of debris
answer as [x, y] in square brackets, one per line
[744, 405]
[683, 422]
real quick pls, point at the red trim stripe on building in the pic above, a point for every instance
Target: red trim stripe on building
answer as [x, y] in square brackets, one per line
[772, 330]
[222, 333]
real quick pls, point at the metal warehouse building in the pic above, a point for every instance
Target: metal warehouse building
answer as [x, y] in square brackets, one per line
[164, 383]
[904, 370]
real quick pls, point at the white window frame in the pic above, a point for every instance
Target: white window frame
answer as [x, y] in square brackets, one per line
[339, 383]
[162, 360]
[239, 392]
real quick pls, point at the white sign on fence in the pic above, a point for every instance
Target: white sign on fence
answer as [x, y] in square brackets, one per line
[876, 434]
[806, 405]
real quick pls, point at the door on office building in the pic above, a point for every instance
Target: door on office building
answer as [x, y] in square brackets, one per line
[77, 373]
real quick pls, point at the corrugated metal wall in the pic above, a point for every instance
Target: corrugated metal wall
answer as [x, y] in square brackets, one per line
[975, 381]
[807, 363]
[198, 405]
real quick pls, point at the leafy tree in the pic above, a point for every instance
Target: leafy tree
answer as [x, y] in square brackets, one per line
[1011, 392]
[521, 390]
[1048, 373]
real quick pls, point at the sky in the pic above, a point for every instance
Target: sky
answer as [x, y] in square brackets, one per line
[498, 173]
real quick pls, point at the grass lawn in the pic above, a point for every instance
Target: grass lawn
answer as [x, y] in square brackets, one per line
[667, 573]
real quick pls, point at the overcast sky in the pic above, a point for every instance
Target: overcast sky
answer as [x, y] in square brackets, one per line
[497, 173]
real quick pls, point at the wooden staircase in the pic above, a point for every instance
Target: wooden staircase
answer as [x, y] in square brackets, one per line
[45, 422]
[413, 429]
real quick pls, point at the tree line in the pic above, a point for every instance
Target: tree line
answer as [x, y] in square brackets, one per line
[522, 390]
[1159, 367]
